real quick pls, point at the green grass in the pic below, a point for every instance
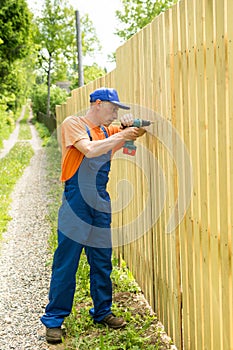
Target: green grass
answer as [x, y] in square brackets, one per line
[142, 330]
[7, 124]
[44, 134]
[11, 169]
[25, 131]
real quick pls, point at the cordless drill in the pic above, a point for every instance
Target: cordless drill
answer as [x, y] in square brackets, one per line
[129, 146]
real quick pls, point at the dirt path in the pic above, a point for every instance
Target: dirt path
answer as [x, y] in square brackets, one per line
[24, 276]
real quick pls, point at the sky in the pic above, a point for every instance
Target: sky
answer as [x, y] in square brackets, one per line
[102, 14]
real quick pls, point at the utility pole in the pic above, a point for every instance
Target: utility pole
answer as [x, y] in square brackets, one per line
[79, 49]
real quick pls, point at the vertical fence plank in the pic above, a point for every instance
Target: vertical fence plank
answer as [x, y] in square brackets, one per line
[223, 165]
[229, 57]
[177, 123]
[211, 68]
[194, 340]
[201, 253]
[186, 239]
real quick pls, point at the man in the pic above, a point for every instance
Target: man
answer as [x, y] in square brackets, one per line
[84, 217]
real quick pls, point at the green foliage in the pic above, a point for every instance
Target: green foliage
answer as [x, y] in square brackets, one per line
[7, 123]
[90, 43]
[55, 29]
[11, 169]
[15, 38]
[39, 98]
[55, 37]
[138, 13]
[44, 133]
[90, 73]
[15, 30]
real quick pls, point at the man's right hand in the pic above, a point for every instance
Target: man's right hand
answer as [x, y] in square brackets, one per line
[131, 133]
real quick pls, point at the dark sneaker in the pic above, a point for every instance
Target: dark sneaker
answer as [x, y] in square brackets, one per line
[54, 335]
[113, 322]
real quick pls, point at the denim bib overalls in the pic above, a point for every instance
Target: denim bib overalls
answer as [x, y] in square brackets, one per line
[84, 221]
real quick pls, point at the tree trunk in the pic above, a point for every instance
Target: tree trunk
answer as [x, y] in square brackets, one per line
[49, 84]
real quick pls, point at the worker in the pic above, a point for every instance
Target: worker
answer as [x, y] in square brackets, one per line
[84, 217]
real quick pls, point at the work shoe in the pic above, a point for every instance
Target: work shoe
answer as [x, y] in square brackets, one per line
[113, 322]
[54, 335]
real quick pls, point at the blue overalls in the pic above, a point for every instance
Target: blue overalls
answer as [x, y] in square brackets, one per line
[84, 221]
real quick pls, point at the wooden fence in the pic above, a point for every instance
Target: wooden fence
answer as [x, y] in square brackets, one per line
[176, 226]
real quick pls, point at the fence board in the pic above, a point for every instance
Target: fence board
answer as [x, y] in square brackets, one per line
[212, 175]
[229, 102]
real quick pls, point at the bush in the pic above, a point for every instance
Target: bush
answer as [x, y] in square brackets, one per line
[39, 97]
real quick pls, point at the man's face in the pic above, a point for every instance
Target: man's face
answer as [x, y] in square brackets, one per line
[109, 112]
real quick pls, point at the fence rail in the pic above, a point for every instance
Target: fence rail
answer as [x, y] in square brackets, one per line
[178, 72]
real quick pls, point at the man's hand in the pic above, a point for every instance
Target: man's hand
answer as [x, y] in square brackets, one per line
[127, 120]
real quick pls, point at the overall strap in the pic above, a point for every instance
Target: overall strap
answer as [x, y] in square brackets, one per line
[105, 132]
[89, 132]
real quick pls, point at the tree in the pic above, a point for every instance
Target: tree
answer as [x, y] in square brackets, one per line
[54, 36]
[138, 13]
[56, 39]
[15, 40]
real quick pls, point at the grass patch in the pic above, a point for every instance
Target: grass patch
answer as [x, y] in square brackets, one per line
[143, 331]
[7, 124]
[25, 131]
[11, 169]
[47, 139]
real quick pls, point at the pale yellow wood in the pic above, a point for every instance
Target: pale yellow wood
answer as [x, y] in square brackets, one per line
[213, 204]
[223, 166]
[185, 225]
[229, 91]
[177, 116]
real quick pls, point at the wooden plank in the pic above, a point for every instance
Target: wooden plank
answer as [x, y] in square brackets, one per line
[156, 185]
[163, 272]
[229, 89]
[176, 117]
[214, 261]
[172, 239]
[186, 247]
[223, 165]
[148, 237]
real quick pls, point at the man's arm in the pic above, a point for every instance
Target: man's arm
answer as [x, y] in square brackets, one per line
[96, 148]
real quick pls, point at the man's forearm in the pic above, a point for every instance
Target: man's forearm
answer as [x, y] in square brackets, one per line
[96, 148]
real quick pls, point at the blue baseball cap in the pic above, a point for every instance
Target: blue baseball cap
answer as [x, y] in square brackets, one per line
[107, 94]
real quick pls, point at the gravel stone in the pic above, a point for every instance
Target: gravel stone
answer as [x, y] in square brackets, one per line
[24, 274]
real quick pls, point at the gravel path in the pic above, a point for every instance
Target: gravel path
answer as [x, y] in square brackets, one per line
[24, 277]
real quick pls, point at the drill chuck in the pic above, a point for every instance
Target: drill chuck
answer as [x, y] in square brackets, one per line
[129, 146]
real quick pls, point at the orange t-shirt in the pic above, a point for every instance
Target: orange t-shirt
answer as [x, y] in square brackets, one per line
[73, 130]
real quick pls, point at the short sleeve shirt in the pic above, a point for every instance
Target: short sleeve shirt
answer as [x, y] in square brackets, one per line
[73, 129]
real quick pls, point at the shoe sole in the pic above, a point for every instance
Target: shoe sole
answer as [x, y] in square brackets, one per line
[53, 340]
[113, 327]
